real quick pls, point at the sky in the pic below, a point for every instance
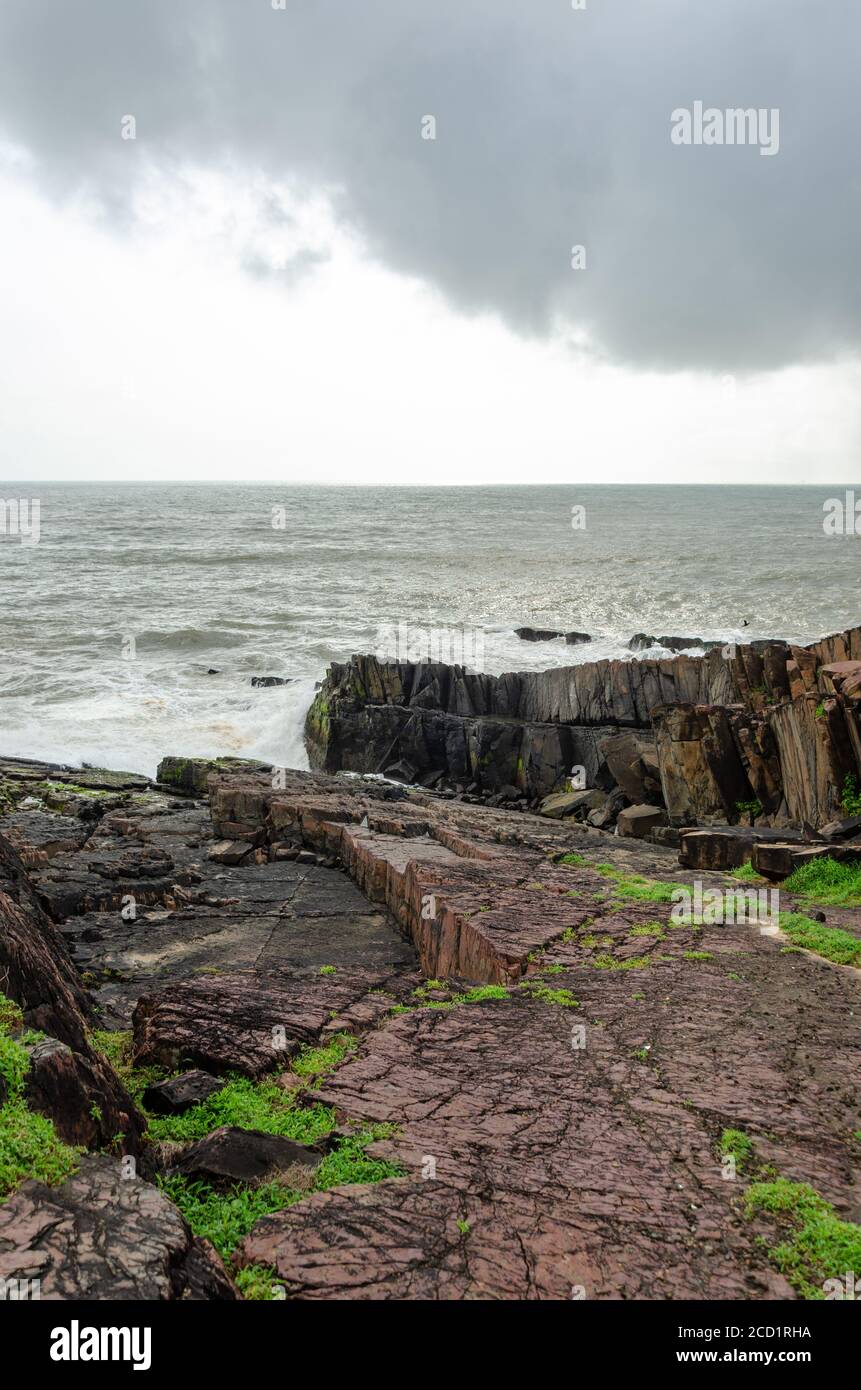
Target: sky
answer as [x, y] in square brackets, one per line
[393, 241]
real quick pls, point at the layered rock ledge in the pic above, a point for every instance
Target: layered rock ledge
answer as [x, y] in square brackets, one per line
[767, 732]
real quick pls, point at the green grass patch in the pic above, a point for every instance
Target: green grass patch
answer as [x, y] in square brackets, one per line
[315, 1061]
[256, 1283]
[11, 1017]
[29, 1144]
[851, 802]
[745, 872]
[831, 942]
[734, 1143]
[576, 860]
[31, 1148]
[655, 929]
[563, 998]
[117, 1048]
[637, 888]
[607, 962]
[817, 1246]
[825, 881]
[698, 955]
[246, 1104]
[225, 1218]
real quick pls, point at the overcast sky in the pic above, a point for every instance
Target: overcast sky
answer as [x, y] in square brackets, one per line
[280, 278]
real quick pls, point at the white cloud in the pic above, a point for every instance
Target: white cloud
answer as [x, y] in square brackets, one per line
[235, 331]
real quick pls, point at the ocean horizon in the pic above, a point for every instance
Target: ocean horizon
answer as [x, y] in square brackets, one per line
[141, 616]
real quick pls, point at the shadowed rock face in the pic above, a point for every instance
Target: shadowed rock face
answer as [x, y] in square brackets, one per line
[102, 1236]
[69, 1081]
[766, 725]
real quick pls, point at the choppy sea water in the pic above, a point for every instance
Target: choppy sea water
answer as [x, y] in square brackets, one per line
[111, 623]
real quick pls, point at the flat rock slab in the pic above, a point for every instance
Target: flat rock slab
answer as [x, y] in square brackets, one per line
[588, 1161]
[243, 1021]
[270, 916]
[101, 1236]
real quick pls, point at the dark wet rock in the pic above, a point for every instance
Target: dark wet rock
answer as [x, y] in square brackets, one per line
[632, 762]
[81, 1096]
[666, 835]
[724, 846]
[228, 1155]
[606, 813]
[267, 682]
[537, 634]
[848, 829]
[576, 639]
[37, 974]
[102, 1236]
[180, 1093]
[102, 875]
[641, 641]
[38, 836]
[275, 915]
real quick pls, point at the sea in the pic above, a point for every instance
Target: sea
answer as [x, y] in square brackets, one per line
[133, 623]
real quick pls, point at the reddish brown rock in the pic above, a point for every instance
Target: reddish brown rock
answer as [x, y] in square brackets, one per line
[102, 1236]
[250, 1022]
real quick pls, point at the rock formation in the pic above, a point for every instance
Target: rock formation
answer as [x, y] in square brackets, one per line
[766, 731]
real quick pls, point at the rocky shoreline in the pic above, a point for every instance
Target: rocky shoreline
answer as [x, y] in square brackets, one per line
[436, 1031]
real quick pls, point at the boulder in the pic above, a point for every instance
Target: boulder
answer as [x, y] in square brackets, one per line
[777, 860]
[189, 776]
[180, 1093]
[105, 1236]
[637, 822]
[66, 1071]
[229, 1155]
[231, 851]
[602, 817]
[848, 829]
[80, 1094]
[627, 754]
[536, 634]
[576, 639]
[564, 804]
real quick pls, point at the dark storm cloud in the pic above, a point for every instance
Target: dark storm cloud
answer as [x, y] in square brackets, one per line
[553, 129]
